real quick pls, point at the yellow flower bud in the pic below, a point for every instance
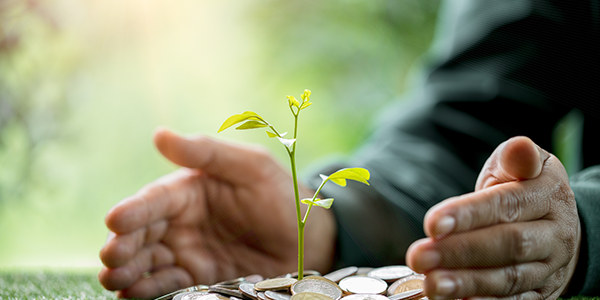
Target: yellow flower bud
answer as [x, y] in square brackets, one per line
[293, 102]
[306, 95]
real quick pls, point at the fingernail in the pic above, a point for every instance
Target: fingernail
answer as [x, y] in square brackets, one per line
[445, 286]
[429, 260]
[444, 226]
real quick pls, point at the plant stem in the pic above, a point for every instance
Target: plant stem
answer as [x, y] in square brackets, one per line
[297, 198]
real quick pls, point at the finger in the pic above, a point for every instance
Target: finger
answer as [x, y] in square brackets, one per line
[230, 162]
[494, 246]
[519, 158]
[159, 283]
[503, 203]
[524, 280]
[121, 248]
[162, 199]
[507, 203]
[149, 258]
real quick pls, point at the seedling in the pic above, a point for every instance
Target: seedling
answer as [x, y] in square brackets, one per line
[251, 120]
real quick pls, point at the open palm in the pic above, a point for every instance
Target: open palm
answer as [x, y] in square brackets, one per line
[229, 212]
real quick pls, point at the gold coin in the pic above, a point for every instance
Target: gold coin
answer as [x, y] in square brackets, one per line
[274, 284]
[340, 274]
[391, 273]
[365, 297]
[310, 296]
[317, 284]
[363, 285]
[405, 284]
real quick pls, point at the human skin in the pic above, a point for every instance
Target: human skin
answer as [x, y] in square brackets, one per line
[228, 212]
[516, 237]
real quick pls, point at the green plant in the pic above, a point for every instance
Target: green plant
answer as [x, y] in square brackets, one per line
[251, 120]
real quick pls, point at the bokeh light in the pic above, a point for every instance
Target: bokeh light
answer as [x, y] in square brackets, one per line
[84, 83]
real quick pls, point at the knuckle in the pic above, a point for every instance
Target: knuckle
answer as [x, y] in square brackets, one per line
[520, 244]
[514, 280]
[508, 208]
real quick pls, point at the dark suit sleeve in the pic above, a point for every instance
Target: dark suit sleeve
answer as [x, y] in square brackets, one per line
[586, 186]
[492, 81]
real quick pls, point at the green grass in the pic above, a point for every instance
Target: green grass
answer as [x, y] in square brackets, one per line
[66, 284]
[51, 284]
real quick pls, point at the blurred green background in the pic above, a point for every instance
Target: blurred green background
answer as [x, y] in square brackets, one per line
[84, 83]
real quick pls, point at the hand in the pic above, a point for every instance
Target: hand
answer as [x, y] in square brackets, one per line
[229, 212]
[516, 237]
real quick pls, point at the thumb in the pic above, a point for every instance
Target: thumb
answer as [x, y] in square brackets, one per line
[179, 150]
[224, 160]
[518, 158]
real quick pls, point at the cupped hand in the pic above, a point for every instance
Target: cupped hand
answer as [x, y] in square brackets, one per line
[516, 237]
[228, 212]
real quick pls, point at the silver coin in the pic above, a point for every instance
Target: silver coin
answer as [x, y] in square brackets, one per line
[188, 295]
[247, 290]
[272, 295]
[317, 284]
[409, 295]
[225, 291]
[365, 297]
[261, 296]
[209, 297]
[233, 282]
[391, 273]
[340, 274]
[363, 285]
[185, 294]
[201, 288]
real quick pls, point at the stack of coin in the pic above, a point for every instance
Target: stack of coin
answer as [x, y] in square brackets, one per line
[351, 283]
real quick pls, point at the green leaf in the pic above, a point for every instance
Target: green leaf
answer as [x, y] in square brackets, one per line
[271, 135]
[325, 203]
[235, 119]
[305, 105]
[308, 201]
[287, 142]
[357, 174]
[292, 101]
[339, 181]
[251, 125]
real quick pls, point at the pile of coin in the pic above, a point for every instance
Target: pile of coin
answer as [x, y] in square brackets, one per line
[351, 283]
